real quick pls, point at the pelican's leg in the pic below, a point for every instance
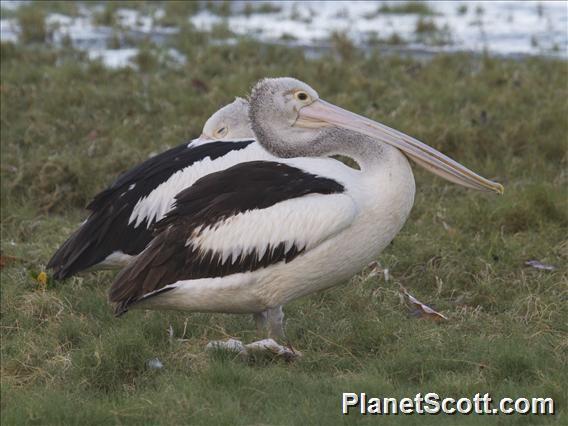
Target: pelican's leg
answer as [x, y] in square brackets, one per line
[261, 321]
[275, 318]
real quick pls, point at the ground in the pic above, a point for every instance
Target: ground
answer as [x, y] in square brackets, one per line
[68, 126]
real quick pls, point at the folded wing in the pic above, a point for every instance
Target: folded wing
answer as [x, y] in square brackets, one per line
[247, 217]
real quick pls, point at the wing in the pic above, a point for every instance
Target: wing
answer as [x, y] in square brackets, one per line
[121, 215]
[239, 220]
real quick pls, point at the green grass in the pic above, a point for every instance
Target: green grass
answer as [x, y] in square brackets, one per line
[401, 8]
[68, 127]
[262, 8]
[32, 24]
[415, 7]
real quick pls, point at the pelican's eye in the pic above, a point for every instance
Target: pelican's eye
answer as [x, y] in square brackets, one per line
[221, 132]
[301, 96]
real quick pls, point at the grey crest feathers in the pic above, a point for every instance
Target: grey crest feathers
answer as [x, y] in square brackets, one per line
[241, 101]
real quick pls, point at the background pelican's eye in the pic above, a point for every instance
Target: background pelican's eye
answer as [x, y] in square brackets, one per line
[221, 131]
[302, 96]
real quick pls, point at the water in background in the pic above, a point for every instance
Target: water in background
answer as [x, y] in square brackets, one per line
[508, 28]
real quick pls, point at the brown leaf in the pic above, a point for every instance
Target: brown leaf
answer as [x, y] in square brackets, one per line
[93, 134]
[6, 260]
[451, 230]
[199, 85]
[418, 308]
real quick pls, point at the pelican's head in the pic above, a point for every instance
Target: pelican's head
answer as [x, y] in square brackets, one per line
[287, 115]
[230, 122]
[282, 98]
[275, 105]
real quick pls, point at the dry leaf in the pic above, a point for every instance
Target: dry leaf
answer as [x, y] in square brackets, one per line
[93, 134]
[451, 230]
[199, 85]
[376, 270]
[419, 308]
[5, 260]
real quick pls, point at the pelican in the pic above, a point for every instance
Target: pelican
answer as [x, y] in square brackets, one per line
[260, 234]
[120, 220]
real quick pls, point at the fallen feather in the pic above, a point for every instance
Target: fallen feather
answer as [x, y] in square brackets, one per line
[420, 309]
[154, 364]
[539, 265]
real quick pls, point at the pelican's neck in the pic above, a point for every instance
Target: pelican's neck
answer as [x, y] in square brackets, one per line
[367, 152]
[290, 142]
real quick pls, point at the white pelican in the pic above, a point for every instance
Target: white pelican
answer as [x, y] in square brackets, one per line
[121, 216]
[260, 234]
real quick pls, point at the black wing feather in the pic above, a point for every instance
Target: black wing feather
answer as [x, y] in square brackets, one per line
[106, 229]
[170, 258]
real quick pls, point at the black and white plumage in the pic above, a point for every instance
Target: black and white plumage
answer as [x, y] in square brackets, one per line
[119, 225]
[265, 237]
[184, 248]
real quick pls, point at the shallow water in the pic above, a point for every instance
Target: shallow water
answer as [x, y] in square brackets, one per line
[513, 28]
[505, 28]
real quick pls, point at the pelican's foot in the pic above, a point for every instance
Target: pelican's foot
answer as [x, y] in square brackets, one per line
[261, 347]
[231, 345]
[270, 347]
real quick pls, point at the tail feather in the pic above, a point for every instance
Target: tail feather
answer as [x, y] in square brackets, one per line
[63, 261]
